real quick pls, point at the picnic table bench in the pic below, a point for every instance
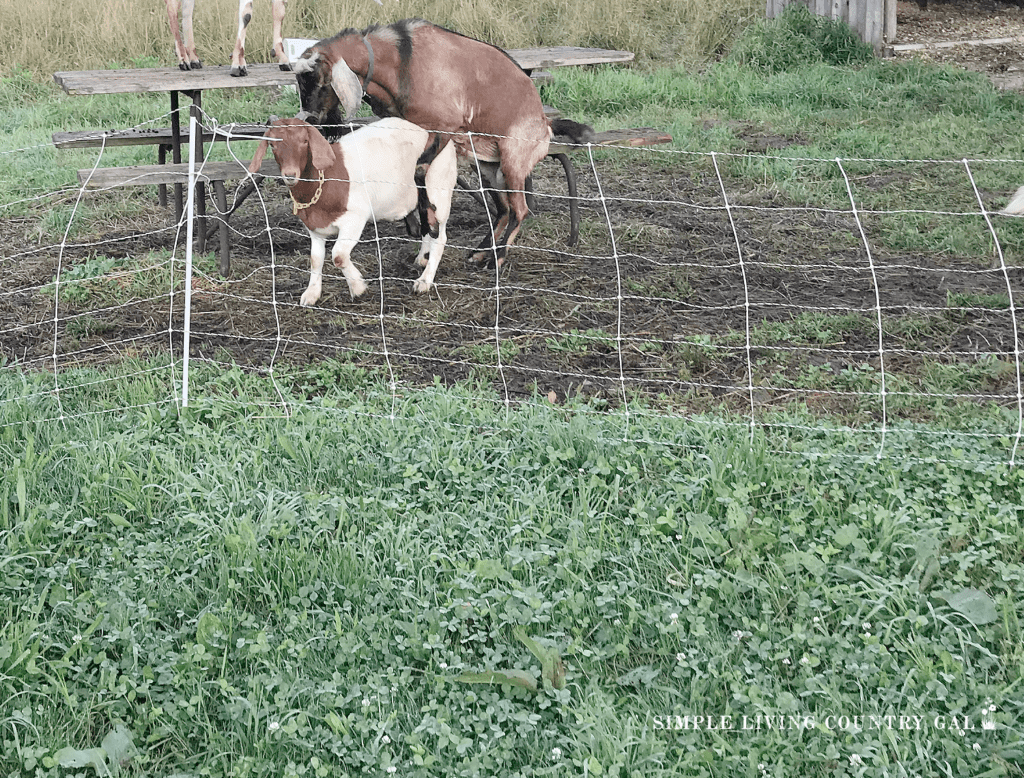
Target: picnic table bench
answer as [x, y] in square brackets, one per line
[193, 83]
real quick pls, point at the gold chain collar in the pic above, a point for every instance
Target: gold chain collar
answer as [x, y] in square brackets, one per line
[297, 206]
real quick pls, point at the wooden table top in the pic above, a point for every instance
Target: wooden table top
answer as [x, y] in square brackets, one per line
[138, 80]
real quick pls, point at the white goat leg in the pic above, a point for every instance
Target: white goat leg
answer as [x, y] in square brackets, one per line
[350, 227]
[439, 183]
[279, 7]
[317, 252]
[1016, 205]
[238, 66]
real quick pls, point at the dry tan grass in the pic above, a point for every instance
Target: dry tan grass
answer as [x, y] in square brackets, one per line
[47, 36]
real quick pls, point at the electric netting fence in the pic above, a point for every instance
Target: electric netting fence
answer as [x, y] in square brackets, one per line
[807, 298]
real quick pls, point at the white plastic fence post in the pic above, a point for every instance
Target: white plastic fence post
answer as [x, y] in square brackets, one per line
[189, 207]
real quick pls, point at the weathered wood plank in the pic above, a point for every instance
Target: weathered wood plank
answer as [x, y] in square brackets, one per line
[95, 82]
[147, 175]
[640, 136]
[562, 56]
[145, 136]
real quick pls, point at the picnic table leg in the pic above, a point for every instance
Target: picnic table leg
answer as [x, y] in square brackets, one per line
[574, 204]
[179, 206]
[197, 111]
[161, 157]
[225, 238]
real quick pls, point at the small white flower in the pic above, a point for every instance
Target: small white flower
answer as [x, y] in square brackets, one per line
[678, 536]
[366, 702]
[443, 665]
[556, 753]
[273, 726]
[617, 622]
[738, 634]
[385, 740]
[804, 660]
[816, 619]
[855, 760]
[867, 626]
[77, 638]
[680, 657]
[673, 617]
[991, 708]
[392, 770]
[976, 746]
[785, 660]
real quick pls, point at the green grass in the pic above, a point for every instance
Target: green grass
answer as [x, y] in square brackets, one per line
[229, 591]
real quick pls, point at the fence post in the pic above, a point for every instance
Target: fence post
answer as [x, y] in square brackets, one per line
[189, 207]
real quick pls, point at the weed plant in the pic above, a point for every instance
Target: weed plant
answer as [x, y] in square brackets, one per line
[226, 591]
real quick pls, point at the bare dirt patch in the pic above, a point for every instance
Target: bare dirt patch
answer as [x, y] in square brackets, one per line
[943, 23]
[693, 306]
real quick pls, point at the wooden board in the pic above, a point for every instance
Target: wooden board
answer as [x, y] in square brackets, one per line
[561, 56]
[96, 82]
[639, 136]
[146, 175]
[147, 136]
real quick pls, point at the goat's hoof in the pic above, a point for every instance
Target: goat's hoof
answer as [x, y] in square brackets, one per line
[308, 300]
[239, 72]
[183, 66]
[420, 286]
[196, 64]
[285, 65]
[486, 259]
[356, 289]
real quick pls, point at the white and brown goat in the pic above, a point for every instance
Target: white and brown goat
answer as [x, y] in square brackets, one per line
[375, 173]
[448, 83]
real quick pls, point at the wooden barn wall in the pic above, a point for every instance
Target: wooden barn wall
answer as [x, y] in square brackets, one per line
[874, 20]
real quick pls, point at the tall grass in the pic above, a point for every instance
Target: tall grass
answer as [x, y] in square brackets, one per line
[83, 34]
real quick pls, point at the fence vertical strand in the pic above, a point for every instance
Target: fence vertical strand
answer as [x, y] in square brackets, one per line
[618, 287]
[56, 277]
[497, 280]
[189, 230]
[878, 305]
[1013, 313]
[746, 291]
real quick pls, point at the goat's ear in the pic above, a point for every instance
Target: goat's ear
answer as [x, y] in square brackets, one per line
[257, 158]
[347, 87]
[320, 149]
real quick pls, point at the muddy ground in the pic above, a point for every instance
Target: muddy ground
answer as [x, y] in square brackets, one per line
[663, 314]
[663, 311]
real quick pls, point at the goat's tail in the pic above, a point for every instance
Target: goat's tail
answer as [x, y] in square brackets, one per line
[574, 131]
[1016, 205]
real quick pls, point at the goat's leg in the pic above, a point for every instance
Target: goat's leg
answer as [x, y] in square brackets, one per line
[187, 7]
[494, 181]
[238, 66]
[316, 271]
[282, 57]
[350, 227]
[173, 12]
[438, 185]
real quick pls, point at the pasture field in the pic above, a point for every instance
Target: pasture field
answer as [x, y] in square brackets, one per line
[714, 462]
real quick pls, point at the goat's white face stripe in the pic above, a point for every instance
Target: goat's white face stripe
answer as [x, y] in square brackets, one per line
[306, 65]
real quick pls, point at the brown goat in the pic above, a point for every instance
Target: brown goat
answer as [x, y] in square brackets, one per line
[446, 83]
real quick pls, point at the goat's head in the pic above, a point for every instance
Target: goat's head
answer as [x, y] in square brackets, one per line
[329, 91]
[295, 145]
